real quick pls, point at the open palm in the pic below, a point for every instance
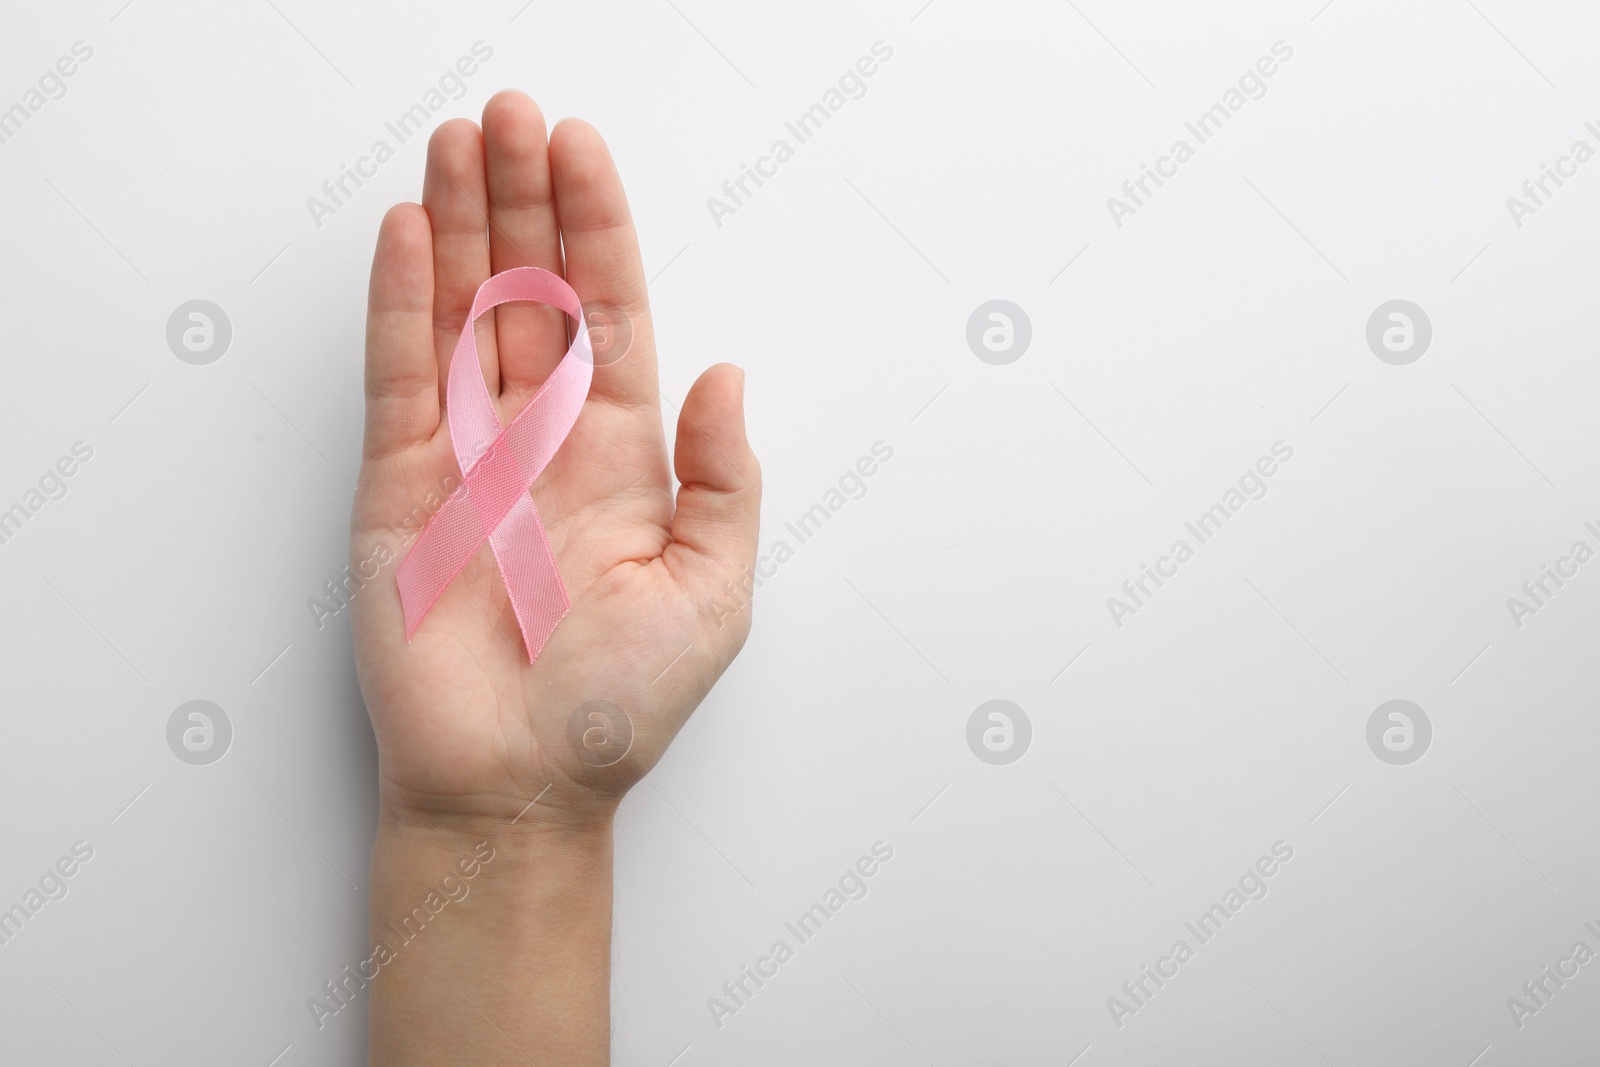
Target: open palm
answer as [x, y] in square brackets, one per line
[465, 725]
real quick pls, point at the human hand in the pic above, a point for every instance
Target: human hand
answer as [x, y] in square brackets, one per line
[467, 729]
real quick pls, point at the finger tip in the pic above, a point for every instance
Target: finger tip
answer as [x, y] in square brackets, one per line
[510, 110]
[402, 217]
[452, 135]
[506, 96]
[574, 144]
[729, 372]
[404, 246]
[717, 394]
[572, 126]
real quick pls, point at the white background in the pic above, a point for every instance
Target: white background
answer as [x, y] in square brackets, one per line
[1229, 313]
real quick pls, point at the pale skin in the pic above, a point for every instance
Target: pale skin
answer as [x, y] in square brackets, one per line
[469, 733]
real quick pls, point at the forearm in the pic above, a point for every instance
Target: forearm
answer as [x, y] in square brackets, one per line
[511, 964]
[507, 965]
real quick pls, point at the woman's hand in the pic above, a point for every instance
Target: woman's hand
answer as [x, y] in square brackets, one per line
[467, 729]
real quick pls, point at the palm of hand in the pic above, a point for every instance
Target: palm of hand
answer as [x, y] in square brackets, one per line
[465, 725]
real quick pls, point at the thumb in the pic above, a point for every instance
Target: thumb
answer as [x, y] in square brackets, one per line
[719, 480]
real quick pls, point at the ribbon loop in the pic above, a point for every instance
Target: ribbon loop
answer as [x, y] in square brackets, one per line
[498, 466]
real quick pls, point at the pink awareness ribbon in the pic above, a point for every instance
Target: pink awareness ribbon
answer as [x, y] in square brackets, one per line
[498, 466]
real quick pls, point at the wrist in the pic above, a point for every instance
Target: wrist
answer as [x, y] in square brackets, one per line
[557, 815]
[462, 907]
[525, 858]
